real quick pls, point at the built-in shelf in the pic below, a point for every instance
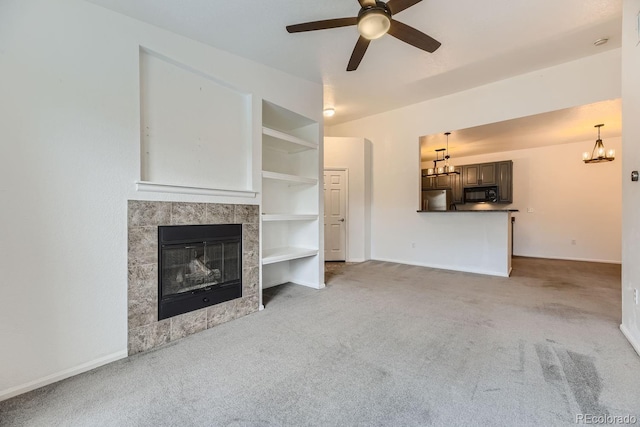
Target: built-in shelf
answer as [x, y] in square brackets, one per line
[291, 179]
[291, 198]
[271, 256]
[288, 217]
[183, 189]
[281, 141]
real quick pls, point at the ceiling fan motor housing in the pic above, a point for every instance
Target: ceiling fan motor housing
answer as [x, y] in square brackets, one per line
[379, 7]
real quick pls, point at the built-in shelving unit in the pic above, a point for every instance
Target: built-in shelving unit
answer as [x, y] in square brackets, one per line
[290, 228]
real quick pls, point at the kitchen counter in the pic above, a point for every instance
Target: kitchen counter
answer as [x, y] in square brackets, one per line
[474, 211]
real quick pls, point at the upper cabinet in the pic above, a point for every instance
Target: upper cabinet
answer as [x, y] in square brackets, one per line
[428, 183]
[456, 186]
[479, 175]
[505, 181]
[442, 182]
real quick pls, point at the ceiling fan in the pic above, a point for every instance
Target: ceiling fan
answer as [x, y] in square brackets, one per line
[374, 21]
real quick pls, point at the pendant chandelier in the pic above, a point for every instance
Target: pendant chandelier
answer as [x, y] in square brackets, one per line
[599, 154]
[447, 168]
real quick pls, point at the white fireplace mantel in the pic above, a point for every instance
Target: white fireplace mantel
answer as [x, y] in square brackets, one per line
[183, 189]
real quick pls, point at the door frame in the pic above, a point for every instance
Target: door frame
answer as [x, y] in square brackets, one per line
[346, 209]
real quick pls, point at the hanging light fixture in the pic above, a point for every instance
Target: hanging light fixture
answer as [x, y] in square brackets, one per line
[374, 22]
[599, 154]
[447, 168]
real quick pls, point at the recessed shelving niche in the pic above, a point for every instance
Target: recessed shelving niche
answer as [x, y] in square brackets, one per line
[290, 199]
[187, 119]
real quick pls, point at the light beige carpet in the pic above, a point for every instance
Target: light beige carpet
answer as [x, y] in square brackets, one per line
[383, 344]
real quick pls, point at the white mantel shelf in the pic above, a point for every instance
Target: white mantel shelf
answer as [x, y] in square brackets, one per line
[183, 189]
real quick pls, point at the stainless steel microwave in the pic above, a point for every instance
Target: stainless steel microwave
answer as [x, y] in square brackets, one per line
[481, 194]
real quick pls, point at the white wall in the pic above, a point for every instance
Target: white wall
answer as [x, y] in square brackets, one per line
[630, 161]
[395, 135]
[570, 201]
[354, 154]
[70, 145]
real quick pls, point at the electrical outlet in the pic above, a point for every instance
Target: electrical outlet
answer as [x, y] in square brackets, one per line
[413, 245]
[529, 210]
[573, 242]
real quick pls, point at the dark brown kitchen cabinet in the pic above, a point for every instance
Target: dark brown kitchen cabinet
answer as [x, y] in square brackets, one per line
[505, 181]
[435, 182]
[457, 195]
[479, 175]
[470, 175]
[428, 183]
[488, 174]
[443, 181]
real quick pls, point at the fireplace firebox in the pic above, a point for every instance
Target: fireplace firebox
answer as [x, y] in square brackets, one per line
[198, 266]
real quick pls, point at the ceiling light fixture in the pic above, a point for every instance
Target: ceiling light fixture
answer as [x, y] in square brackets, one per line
[599, 154]
[329, 112]
[446, 169]
[374, 22]
[601, 41]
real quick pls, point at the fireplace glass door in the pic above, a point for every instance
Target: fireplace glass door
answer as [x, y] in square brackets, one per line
[190, 267]
[199, 265]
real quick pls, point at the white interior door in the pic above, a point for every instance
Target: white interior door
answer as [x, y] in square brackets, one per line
[335, 215]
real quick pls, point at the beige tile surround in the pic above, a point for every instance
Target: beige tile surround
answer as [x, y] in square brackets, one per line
[144, 217]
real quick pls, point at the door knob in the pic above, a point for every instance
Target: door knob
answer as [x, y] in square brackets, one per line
[341, 220]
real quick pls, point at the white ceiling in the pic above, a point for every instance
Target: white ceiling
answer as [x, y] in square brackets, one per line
[482, 42]
[556, 127]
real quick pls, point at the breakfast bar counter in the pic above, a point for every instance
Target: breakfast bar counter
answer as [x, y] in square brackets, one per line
[478, 241]
[472, 210]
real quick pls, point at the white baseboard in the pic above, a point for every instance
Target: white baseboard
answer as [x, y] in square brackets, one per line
[356, 260]
[308, 284]
[603, 261]
[448, 267]
[296, 282]
[634, 341]
[50, 379]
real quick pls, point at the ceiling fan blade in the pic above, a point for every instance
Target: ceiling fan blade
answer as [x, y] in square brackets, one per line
[364, 3]
[412, 36]
[358, 52]
[322, 25]
[396, 6]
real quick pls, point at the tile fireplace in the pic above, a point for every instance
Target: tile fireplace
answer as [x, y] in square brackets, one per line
[202, 256]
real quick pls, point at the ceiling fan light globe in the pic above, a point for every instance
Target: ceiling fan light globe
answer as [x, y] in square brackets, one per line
[329, 112]
[373, 24]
